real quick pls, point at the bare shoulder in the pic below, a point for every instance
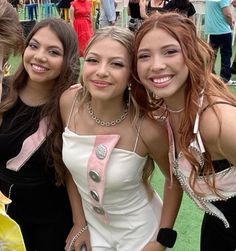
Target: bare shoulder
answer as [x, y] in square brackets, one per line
[153, 128]
[154, 134]
[218, 129]
[222, 116]
[66, 101]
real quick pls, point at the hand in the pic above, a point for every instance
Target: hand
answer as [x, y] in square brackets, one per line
[154, 246]
[233, 3]
[82, 240]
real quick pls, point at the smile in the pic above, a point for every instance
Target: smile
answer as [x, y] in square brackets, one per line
[161, 80]
[101, 83]
[39, 68]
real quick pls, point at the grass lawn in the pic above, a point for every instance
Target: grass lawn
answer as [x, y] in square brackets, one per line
[189, 219]
[188, 222]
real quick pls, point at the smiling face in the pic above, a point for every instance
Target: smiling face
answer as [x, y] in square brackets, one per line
[43, 57]
[106, 70]
[160, 65]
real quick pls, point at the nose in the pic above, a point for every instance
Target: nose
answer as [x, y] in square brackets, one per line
[40, 56]
[102, 70]
[158, 63]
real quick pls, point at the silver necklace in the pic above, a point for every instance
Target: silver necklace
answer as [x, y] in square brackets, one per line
[106, 123]
[175, 111]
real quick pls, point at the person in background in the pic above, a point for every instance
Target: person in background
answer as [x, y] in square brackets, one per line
[174, 80]
[153, 6]
[11, 42]
[109, 148]
[137, 15]
[81, 19]
[28, 117]
[219, 24]
[184, 7]
[233, 66]
[64, 7]
[107, 13]
[11, 36]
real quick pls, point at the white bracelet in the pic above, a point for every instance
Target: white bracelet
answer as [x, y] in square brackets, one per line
[71, 248]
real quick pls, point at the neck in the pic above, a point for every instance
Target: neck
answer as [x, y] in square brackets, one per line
[34, 94]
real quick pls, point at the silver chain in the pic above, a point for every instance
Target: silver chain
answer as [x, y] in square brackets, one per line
[71, 246]
[106, 123]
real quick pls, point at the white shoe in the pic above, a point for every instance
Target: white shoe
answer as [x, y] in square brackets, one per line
[231, 82]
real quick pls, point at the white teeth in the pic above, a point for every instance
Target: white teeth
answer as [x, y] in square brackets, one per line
[161, 80]
[39, 68]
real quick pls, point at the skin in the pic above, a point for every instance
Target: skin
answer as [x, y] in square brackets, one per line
[106, 76]
[42, 60]
[161, 67]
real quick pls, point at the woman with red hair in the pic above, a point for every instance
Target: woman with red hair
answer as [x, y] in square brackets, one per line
[173, 79]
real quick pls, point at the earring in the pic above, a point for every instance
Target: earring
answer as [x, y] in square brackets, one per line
[129, 98]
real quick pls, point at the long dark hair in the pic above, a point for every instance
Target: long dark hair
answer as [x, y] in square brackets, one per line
[69, 75]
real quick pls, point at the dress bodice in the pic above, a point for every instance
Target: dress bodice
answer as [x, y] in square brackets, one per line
[225, 175]
[120, 185]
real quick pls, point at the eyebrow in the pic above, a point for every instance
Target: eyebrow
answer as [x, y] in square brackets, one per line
[51, 46]
[163, 47]
[96, 54]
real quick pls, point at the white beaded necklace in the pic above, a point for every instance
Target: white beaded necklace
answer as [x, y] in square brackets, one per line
[175, 111]
[106, 123]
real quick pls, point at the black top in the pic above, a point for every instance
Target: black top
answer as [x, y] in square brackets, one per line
[35, 197]
[187, 10]
[150, 9]
[134, 10]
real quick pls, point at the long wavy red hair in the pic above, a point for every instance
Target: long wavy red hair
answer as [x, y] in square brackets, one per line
[199, 58]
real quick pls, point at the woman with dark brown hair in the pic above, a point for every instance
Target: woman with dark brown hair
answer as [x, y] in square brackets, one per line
[28, 119]
[173, 78]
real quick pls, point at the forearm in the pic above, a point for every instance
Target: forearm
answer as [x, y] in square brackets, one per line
[172, 198]
[142, 8]
[228, 16]
[75, 201]
[71, 16]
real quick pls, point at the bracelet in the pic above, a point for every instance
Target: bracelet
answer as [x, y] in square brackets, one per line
[71, 248]
[167, 237]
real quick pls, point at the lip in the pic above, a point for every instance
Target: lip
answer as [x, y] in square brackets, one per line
[39, 68]
[101, 84]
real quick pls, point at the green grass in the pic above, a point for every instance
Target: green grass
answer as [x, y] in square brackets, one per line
[188, 222]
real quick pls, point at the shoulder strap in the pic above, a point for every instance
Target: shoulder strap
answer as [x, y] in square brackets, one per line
[79, 86]
[138, 134]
